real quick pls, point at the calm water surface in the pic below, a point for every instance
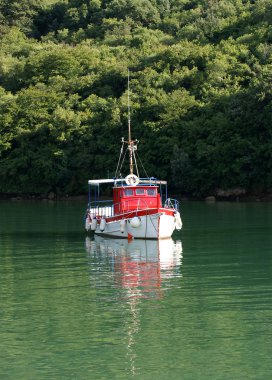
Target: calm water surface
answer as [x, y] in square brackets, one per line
[195, 307]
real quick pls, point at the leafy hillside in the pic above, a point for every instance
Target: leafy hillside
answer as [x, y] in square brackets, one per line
[201, 74]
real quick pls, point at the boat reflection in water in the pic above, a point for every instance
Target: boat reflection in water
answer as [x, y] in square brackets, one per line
[140, 269]
[139, 266]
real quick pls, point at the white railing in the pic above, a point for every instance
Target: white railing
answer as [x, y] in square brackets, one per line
[102, 211]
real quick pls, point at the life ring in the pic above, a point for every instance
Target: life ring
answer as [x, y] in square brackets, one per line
[132, 180]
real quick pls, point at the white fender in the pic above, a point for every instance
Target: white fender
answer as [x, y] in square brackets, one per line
[135, 222]
[87, 223]
[178, 221]
[102, 224]
[122, 225]
[94, 224]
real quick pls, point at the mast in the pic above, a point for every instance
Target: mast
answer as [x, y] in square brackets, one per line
[130, 142]
[129, 129]
[132, 145]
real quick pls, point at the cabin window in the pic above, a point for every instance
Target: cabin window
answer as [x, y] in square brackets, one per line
[128, 192]
[151, 192]
[139, 191]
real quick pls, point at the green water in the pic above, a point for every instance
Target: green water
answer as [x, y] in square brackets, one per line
[197, 307]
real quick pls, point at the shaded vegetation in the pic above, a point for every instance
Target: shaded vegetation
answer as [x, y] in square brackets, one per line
[201, 74]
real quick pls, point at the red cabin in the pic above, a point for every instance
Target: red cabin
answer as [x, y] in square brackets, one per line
[130, 198]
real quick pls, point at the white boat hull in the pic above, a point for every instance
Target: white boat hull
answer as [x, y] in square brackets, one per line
[154, 226]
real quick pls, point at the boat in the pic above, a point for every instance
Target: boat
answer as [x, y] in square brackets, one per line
[140, 207]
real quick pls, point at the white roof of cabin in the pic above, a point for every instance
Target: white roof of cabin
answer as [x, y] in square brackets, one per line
[97, 182]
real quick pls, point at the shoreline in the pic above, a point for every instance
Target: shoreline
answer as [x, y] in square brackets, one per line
[52, 197]
[43, 197]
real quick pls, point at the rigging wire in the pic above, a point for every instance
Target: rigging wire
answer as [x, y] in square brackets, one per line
[139, 158]
[135, 161]
[121, 152]
[124, 156]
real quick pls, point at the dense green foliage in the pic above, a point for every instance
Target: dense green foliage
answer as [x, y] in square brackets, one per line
[201, 74]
